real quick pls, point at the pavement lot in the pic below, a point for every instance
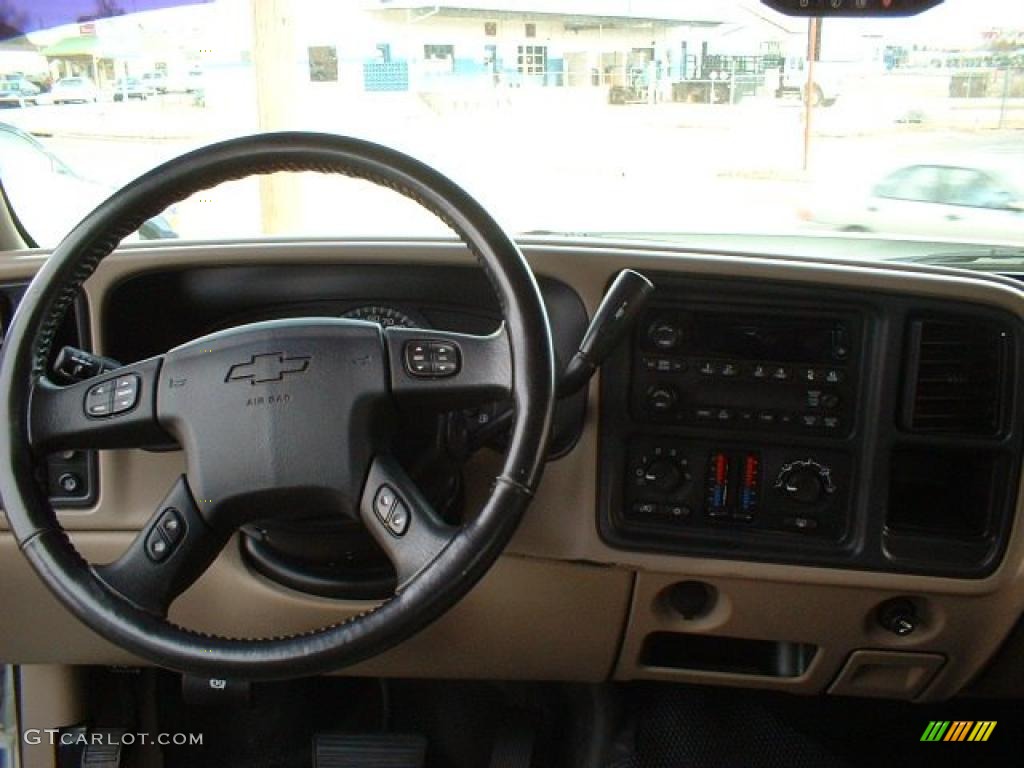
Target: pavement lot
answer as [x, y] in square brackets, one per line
[547, 161]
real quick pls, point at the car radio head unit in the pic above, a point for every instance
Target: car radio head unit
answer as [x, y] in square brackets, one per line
[745, 369]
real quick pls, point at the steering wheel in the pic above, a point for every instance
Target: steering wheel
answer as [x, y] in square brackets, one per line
[275, 418]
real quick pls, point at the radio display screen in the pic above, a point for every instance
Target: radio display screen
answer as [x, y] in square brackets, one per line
[783, 339]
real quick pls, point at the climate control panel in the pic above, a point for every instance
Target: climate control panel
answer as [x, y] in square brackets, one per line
[677, 487]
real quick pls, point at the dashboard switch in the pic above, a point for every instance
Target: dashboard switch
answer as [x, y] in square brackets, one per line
[662, 398]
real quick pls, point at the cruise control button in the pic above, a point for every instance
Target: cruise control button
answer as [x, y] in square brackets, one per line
[126, 394]
[417, 358]
[123, 403]
[422, 367]
[99, 399]
[100, 390]
[100, 408]
[156, 547]
[442, 351]
[399, 521]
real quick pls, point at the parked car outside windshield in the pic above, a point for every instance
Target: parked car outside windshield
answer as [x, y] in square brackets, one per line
[54, 196]
[930, 200]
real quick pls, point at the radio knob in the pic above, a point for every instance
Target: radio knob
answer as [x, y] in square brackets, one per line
[664, 335]
[805, 482]
[661, 398]
[664, 475]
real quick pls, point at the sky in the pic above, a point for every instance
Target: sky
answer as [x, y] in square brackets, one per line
[947, 21]
[32, 15]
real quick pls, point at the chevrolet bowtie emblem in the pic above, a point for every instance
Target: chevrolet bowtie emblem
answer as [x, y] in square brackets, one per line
[269, 367]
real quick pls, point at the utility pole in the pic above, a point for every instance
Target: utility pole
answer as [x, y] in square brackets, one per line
[273, 59]
[813, 30]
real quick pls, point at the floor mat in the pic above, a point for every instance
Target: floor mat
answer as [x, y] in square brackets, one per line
[693, 727]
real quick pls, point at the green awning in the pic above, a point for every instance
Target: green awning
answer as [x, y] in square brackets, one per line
[74, 46]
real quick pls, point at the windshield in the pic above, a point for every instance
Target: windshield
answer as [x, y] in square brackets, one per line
[625, 118]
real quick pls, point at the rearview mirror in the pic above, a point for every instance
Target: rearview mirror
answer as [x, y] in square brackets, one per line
[854, 8]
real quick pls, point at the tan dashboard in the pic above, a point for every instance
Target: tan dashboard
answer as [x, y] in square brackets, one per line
[563, 603]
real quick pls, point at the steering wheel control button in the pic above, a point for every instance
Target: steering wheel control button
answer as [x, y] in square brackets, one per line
[156, 546]
[99, 399]
[431, 359]
[126, 394]
[391, 510]
[398, 524]
[383, 503]
[171, 526]
[417, 358]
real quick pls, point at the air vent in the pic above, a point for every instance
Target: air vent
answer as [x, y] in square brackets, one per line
[956, 377]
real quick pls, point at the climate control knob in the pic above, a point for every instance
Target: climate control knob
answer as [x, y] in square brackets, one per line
[664, 475]
[662, 398]
[805, 482]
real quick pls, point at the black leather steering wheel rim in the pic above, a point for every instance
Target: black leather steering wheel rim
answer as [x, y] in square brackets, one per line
[426, 596]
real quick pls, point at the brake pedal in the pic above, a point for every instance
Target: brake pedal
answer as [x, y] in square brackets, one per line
[379, 750]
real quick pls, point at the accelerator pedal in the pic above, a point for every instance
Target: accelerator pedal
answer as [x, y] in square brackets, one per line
[513, 744]
[377, 750]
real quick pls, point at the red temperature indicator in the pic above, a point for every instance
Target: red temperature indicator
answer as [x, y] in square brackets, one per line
[750, 487]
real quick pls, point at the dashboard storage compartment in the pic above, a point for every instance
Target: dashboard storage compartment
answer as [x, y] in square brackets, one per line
[734, 655]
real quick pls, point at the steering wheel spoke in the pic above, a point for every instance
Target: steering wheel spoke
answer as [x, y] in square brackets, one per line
[441, 368]
[116, 410]
[402, 521]
[173, 550]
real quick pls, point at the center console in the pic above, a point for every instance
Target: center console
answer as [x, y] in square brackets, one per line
[770, 423]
